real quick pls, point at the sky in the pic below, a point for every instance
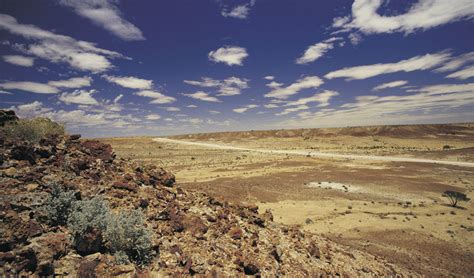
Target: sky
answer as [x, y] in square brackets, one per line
[123, 68]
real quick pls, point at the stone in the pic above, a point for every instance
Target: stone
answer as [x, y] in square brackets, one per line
[31, 186]
[235, 233]
[125, 186]
[90, 243]
[7, 116]
[23, 152]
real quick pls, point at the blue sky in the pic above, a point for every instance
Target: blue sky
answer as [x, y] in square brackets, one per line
[113, 68]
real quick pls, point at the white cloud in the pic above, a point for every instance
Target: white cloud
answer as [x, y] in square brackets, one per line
[214, 112]
[2, 92]
[158, 98]
[80, 55]
[245, 108]
[463, 74]
[423, 15]
[457, 62]
[230, 86]
[172, 109]
[19, 60]
[424, 62]
[392, 84]
[82, 97]
[269, 77]
[293, 109]
[200, 95]
[355, 38]
[153, 117]
[230, 55]
[274, 85]
[130, 82]
[105, 13]
[430, 103]
[309, 82]
[33, 87]
[316, 51]
[191, 106]
[322, 98]
[75, 82]
[240, 12]
[271, 105]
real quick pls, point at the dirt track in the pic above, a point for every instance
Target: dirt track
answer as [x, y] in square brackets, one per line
[318, 154]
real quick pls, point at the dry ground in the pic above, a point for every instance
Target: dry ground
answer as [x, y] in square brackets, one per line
[392, 209]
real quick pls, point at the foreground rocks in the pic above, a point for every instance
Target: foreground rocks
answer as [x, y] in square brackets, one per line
[193, 233]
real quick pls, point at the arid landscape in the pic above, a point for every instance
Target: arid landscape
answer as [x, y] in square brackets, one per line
[375, 189]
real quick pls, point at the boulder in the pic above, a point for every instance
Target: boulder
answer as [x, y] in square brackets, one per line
[90, 243]
[99, 150]
[7, 116]
[24, 152]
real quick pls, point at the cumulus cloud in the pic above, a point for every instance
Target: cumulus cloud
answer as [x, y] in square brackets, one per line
[245, 108]
[317, 51]
[157, 97]
[240, 12]
[424, 14]
[72, 83]
[200, 95]
[392, 84]
[456, 62]
[269, 77]
[19, 60]
[309, 82]
[153, 117]
[322, 98]
[80, 55]
[82, 97]
[274, 85]
[424, 62]
[230, 86]
[430, 103]
[130, 82]
[27, 86]
[230, 55]
[106, 14]
[271, 105]
[463, 74]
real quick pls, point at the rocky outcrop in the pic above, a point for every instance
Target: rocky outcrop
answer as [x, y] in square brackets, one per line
[193, 233]
[7, 116]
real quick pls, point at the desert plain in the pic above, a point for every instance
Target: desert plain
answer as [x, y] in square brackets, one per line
[377, 189]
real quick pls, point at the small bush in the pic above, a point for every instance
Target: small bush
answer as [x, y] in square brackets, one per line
[126, 235]
[32, 130]
[59, 206]
[87, 215]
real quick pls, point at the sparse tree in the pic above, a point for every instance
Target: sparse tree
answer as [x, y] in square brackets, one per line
[454, 197]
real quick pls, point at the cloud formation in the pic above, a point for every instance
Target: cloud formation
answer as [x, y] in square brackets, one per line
[316, 51]
[245, 108]
[19, 60]
[130, 82]
[80, 55]
[230, 55]
[230, 86]
[105, 14]
[422, 62]
[157, 97]
[200, 95]
[392, 84]
[27, 86]
[463, 74]
[72, 83]
[240, 12]
[309, 82]
[424, 14]
[82, 97]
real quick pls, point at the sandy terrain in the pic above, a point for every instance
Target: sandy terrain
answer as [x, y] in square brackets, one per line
[361, 197]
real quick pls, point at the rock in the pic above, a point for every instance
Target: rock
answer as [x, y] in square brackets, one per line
[26, 260]
[125, 186]
[32, 186]
[7, 116]
[74, 137]
[90, 243]
[23, 152]
[314, 251]
[122, 269]
[235, 233]
[99, 150]
[10, 172]
[195, 225]
[87, 269]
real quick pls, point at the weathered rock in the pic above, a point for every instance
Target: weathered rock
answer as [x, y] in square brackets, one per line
[125, 186]
[7, 116]
[99, 150]
[24, 152]
[90, 243]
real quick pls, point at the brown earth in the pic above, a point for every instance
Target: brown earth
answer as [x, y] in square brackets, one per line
[392, 210]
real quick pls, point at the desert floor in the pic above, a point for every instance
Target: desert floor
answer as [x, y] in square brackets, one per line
[393, 209]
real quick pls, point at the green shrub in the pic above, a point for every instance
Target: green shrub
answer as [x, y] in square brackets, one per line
[32, 130]
[86, 215]
[126, 234]
[123, 233]
[59, 206]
